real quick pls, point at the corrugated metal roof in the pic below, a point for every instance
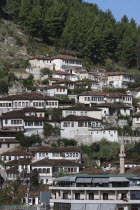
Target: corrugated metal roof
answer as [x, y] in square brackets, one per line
[118, 179]
[65, 179]
[100, 180]
[83, 180]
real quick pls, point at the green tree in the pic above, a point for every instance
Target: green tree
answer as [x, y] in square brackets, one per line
[34, 178]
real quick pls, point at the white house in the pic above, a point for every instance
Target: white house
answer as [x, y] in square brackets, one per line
[20, 168]
[8, 143]
[56, 90]
[82, 111]
[15, 155]
[90, 98]
[118, 79]
[29, 120]
[33, 99]
[114, 109]
[57, 62]
[96, 192]
[136, 121]
[48, 168]
[67, 153]
[65, 75]
[135, 92]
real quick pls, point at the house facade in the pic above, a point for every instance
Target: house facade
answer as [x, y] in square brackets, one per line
[82, 111]
[118, 79]
[96, 192]
[37, 100]
[49, 168]
[30, 120]
[58, 62]
[67, 153]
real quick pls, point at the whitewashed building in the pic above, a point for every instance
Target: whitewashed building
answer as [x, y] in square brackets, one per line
[90, 98]
[30, 120]
[136, 121]
[82, 111]
[67, 153]
[8, 143]
[56, 90]
[15, 155]
[57, 62]
[118, 79]
[48, 168]
[33, 99]
[94, 192]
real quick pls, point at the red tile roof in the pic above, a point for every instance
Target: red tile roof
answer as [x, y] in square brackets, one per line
[21, 161]
[67, 57]
[17, 152]
[53, 162]
[79, 118]
[55, 149]
[28, 96]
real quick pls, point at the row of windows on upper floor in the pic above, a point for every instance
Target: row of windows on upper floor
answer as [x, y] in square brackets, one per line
[27, 123]
[94, 98]
[83, 124]
[57, 154]
[27, 104]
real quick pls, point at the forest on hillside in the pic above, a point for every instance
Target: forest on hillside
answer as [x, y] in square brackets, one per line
[79, 27]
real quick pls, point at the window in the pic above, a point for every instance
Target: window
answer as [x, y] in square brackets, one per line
[8, 145]
[48, 170]
[6, 121]
[91, 196]
[65, 195]
[77, 196]
[0, 145]
[105, 196]
[44, 170]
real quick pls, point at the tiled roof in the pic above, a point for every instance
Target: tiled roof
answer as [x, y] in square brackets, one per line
[55, 149]
[55, 86]
[112, 105]
[12, 170]
[17, 152]
[53, 162]
[62, 73]
[106, 94]
[21, 161]
[93, 93]
[20, 114]
[82, 108]
[67, 57]
[79, 118]
[116, 73]
[60, 56]
[6, 141]
[133, 170]
[28, 96]
[136, 115]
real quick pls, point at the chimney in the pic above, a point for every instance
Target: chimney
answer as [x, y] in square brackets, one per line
[122, 156]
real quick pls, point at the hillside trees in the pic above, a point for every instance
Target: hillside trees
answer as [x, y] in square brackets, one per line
[78, 27]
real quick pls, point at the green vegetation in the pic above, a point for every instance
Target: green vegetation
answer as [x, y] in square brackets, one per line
[80, 28]
[28, 141]
[34, 178]
[65, 143]
[11, 194]
[49, 130]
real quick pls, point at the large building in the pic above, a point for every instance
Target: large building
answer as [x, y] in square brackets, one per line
[96, 192]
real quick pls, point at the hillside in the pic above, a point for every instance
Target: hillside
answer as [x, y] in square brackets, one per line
[16, 46]
[79, 27]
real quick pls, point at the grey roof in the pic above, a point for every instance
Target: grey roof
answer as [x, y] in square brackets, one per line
[100, 180]
[83, 180]
[118, 179]
[65, 179]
